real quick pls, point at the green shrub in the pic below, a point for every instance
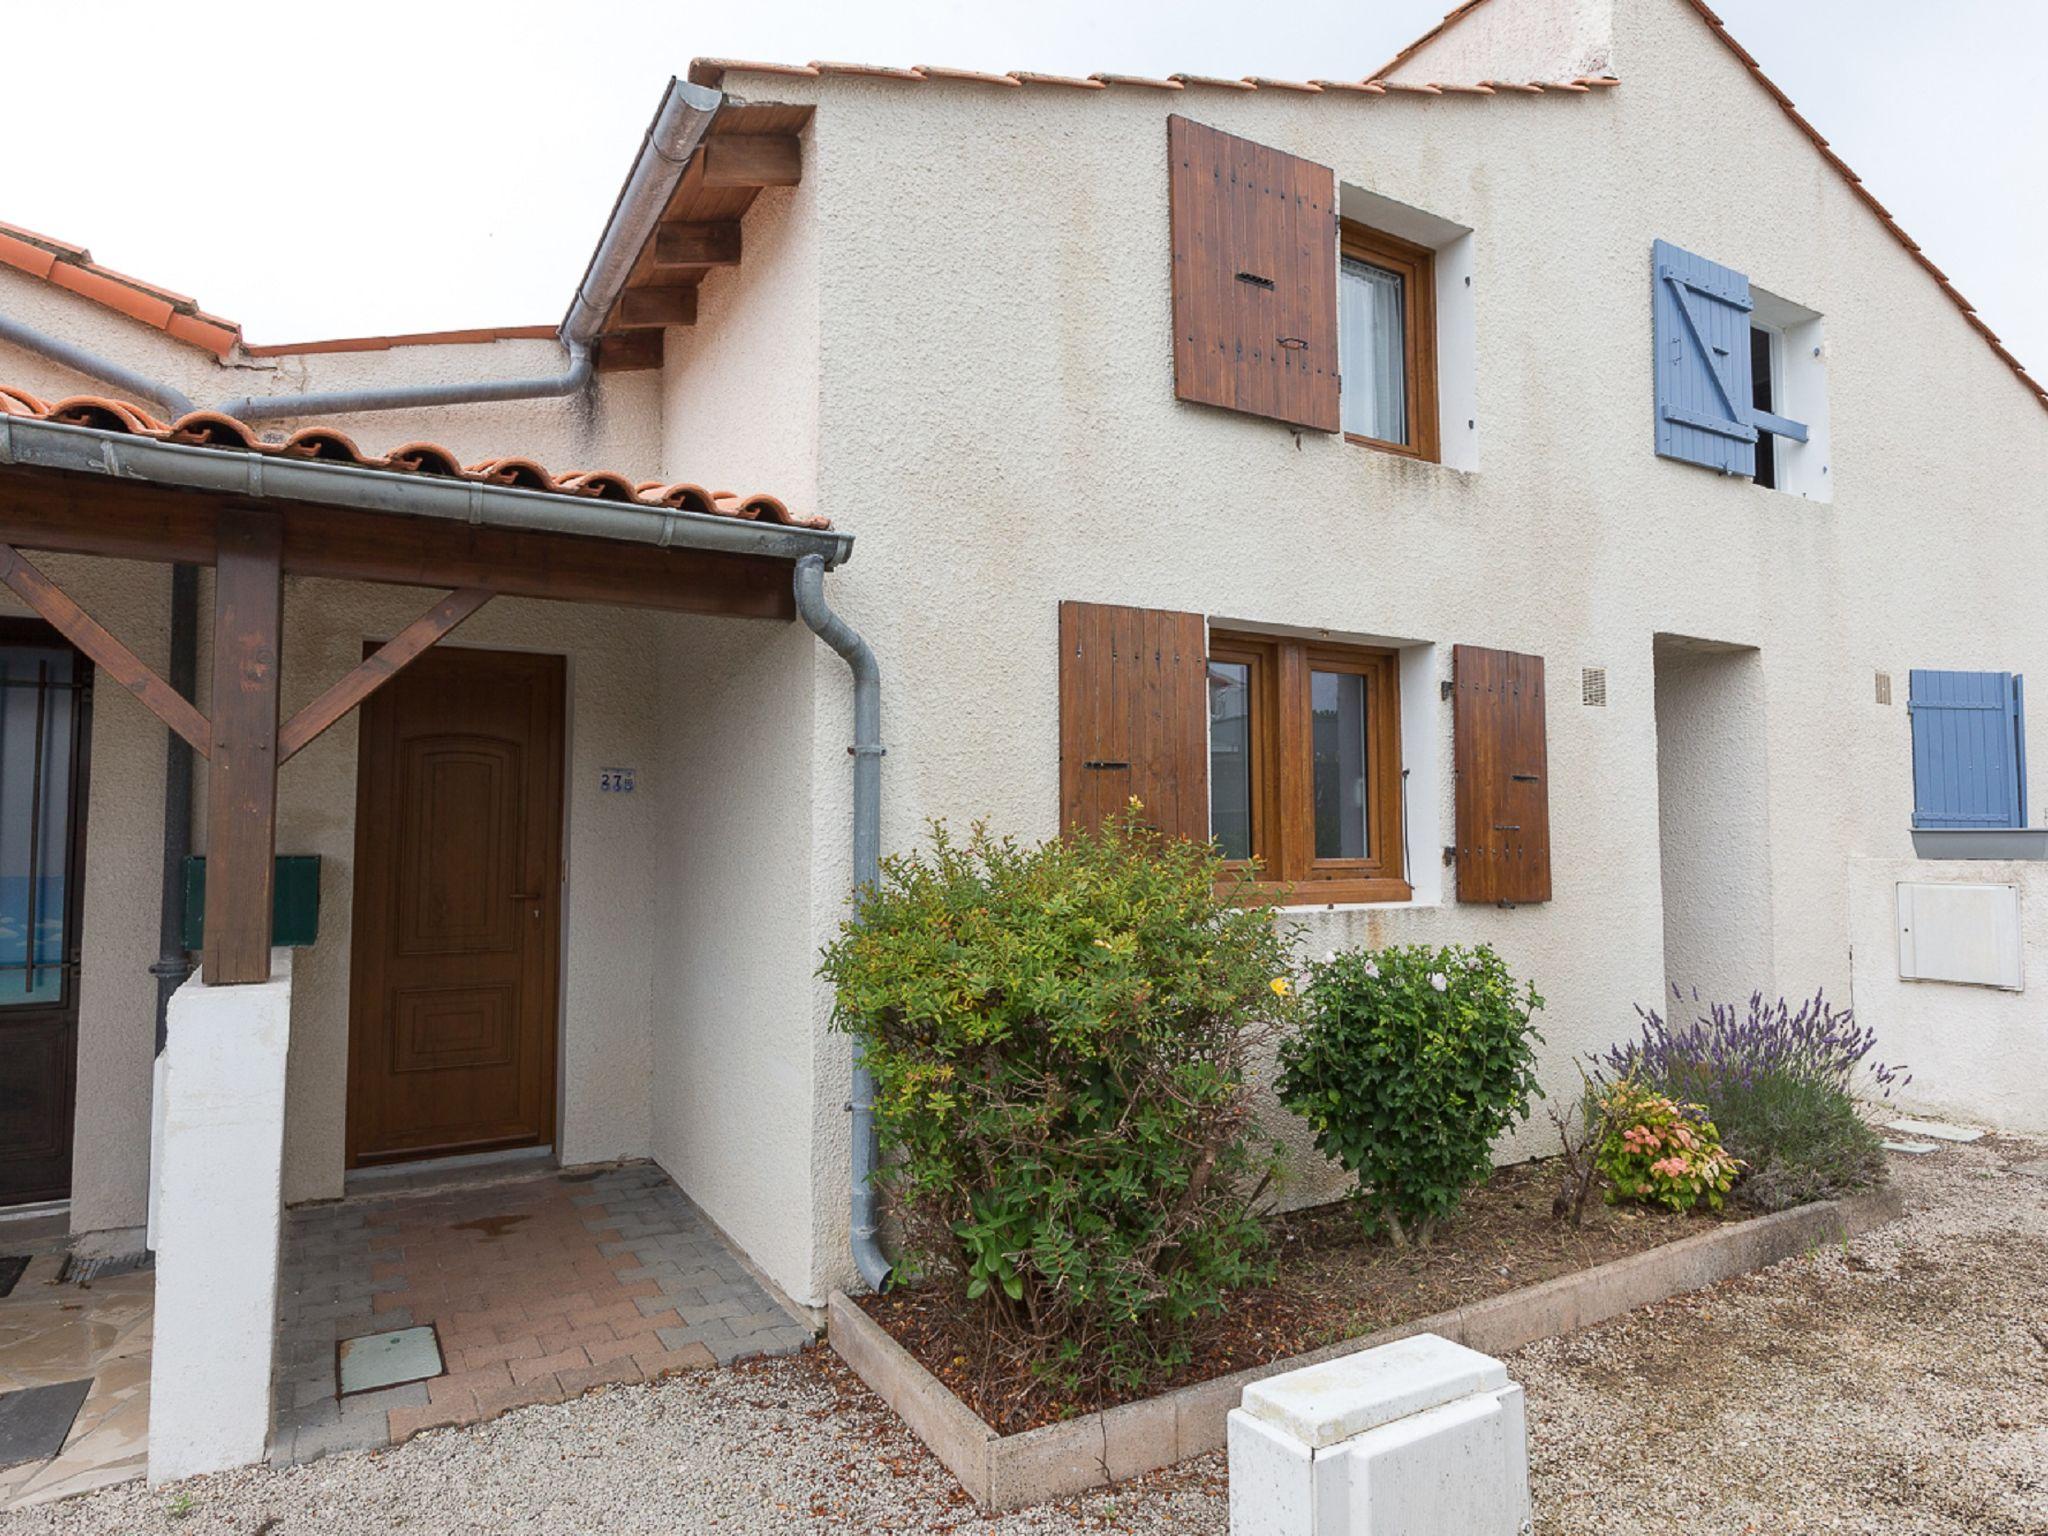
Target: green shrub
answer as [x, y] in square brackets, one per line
[1800, 1139]
[1660, 1151]
[1413, 1061]
[1059, 1037]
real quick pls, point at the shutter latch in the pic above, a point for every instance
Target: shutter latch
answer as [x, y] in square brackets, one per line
[1256, 281]
[1104, 763]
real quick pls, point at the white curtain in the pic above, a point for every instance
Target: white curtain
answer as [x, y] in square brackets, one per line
[1372, 351]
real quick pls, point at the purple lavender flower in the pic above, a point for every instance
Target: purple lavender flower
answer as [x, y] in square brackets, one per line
[1820, 1043]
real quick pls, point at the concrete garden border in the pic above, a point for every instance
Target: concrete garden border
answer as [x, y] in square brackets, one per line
[1098, 1449]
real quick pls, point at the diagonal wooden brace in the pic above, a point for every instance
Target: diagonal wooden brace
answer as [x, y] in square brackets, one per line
[107, 653]
[377, 669]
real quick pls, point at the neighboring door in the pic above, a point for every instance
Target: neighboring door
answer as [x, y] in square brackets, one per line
[45, 687]
[457, 908]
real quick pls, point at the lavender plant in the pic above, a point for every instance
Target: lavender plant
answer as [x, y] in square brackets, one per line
[1780, 1083]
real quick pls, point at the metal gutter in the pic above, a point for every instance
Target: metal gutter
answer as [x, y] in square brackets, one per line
[93, 366]
[678, 127]
[867, 750]
[40, 444]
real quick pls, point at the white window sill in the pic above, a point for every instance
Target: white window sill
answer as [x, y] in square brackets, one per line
[1361, 906]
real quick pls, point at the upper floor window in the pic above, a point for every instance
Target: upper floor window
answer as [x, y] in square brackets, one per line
[1386, 298]
[1739, 382]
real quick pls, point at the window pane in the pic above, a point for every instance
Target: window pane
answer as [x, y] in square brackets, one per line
[1372, 351]
[35, 820]
[1763, 398]
[1230, 757]
[1338, 702]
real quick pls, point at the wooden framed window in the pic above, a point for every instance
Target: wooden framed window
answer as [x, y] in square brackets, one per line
[1305, 765]
[1386, 317]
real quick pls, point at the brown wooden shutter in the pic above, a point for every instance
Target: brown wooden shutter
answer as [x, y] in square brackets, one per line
[1254, 277]
[1134, 720]
[1497, 726]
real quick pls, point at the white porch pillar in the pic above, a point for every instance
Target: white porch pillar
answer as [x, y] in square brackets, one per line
[219, 1213]
[1421, 1437]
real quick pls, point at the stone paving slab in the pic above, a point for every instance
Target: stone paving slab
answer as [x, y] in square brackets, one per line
[539, 1288]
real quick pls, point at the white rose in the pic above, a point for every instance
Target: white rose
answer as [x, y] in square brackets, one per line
[1440, 981]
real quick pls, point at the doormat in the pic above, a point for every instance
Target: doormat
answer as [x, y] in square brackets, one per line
[78, 1269]
[35, 1421]
[378, 1360]
[11, 1267]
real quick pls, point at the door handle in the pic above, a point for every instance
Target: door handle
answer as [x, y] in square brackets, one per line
[528, 895]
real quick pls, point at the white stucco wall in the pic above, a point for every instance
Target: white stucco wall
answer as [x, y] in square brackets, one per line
[997, 424]
[1976, 1054]
[1518, 40]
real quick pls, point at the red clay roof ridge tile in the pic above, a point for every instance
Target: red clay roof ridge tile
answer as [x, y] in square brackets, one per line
[213, 431]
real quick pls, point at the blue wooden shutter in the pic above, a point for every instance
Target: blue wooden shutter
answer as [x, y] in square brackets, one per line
[1969, 749]
[1703, 376]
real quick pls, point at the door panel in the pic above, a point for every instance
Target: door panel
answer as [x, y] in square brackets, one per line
[45, 688]
[452, 1007]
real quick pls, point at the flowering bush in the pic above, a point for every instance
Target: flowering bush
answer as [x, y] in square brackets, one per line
[1413, 1061]
[1780, 1084]
[1661, 1151]
[1059, 1037]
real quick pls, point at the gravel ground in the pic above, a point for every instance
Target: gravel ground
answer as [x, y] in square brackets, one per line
[1900, 1385]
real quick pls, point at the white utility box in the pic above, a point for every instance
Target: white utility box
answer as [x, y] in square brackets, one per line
[1421, 1437]
[1958, 932]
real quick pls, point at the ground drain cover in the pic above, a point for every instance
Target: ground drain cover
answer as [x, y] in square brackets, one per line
[34, 1421]
[77, 1270]
[388, 1359]
[11, 1267]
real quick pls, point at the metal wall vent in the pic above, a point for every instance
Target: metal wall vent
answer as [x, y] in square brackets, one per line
[1884, 687]
[1593, 687]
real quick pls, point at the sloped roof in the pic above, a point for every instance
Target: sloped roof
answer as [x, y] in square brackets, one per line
[1855, 182]
[210, 429]
[712, 72]
[71, 267]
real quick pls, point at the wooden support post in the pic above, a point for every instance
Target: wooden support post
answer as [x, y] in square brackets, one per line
[241, 824]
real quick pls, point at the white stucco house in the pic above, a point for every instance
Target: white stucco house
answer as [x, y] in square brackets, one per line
[1457, 489]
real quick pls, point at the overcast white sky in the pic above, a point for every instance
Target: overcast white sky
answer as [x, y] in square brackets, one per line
[372, 167]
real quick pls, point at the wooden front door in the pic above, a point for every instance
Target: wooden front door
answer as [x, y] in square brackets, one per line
[457, 908]
[44, 730]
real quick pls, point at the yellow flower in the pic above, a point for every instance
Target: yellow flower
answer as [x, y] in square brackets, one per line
[1279, 985]
[1135, 803]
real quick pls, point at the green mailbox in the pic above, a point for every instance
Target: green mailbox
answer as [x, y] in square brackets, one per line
[294, 901]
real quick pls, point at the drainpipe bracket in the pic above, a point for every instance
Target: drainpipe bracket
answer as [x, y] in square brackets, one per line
[873, 751]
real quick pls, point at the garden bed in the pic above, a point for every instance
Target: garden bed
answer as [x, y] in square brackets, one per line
[1500, 1276]
[1332, 1284]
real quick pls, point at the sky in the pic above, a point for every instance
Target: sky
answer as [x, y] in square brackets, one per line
[370, 168]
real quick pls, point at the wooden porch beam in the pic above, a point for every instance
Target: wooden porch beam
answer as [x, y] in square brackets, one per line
[88, 515]
[107, 653]
[377, 669]
[752, 160]
[241, 823]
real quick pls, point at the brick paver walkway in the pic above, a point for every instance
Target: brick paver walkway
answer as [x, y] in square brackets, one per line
[538, 1288]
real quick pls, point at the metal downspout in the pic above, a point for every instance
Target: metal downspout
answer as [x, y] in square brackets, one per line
[679, 126]
[811, 607]
[93, 366]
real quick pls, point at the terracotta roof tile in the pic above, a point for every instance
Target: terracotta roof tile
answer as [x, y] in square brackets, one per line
[1075, 82]
[1268, 83]
[210, 429]
[1144, 80]
[71, 267]
[938, 72]
[1362, 87]
[1217, 82]
[879, 71]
